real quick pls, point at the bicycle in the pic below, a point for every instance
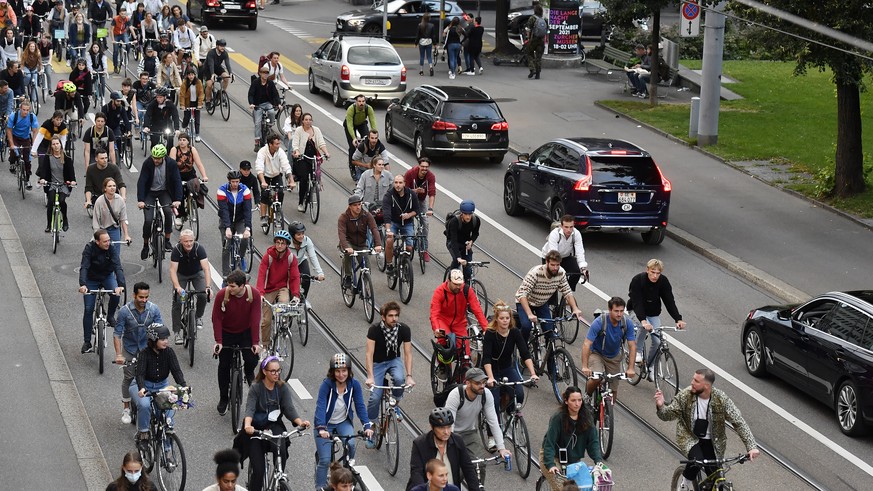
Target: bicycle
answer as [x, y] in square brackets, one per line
[303, 319]
[189, 320]
[236, 260]
[266, 128]
[19, 167]
[482, 462]
[666, 372]
[420, 246]
[275, 215]
[561, 476]
[189, 128]
[43, 79]
[312, 200]
[342, 441]
[164, 447]
[552, 358]
[99, 322]
[57, 221]
[192, 221]
[124, 56]
[275, 478]
[403, 271]
[569, 329]
[449, 364]
[475, 285]
[390, 417]
[4, 146]
[513, 426]
[98, 79]
[281, 341]
[74, 132]
[220, 95]
[60, 38]
[237, 368]
[157, 251]
[360, 283]
[715, 481]
[603, 409]
[32, 93]
[125, 149]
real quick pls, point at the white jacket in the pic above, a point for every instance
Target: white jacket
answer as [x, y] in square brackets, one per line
[272, 165]
[566, 246]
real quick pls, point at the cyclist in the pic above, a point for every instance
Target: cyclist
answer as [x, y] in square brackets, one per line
[448, 311]
[263, 98]
[271, 165]
[250, 179]
[51, 127]
[57, 20]
[45, 52]
[149, 30]
[358, 116]
[168, 73]
[441, 444]
[307, 140]
[366, 151]
[500, 362]
[96, 175]
[437, 474]
[69, 102]
[234, 216]
[130, 337]
[191, 100]
[375, 182]
[20, 131]
[226, 470]
[269, 393]
[538, 285]
[189, 264]
[110, 213]
[149, 62]
[235, 317]
[646, 292]
[121, 32]
[10, 45]
[81, 76]
[143, 89]
[98, 137]
[292, 121]
[570, 429]
[158, 178]
[389, 350]
[278, 279]
[131, 101]
[399, 207]
[277, 72]
[7, 99]
[183, 37]
[100, 268]
[13, 76]
[213, 69]
[568, 242]
[31, 64]
[701, 412]
[203, 43]
[96, 61]
[41, 7]
[303, 248]
[421, 180]
[29, 26]
[78, 35]
[99, 13]
[339, 396]
[462, 230]
[601, 351]
[188, 159]
[153, 368]
[55, 166]
[117, 116]
[352, 228]
[467, 408]
[160, 115]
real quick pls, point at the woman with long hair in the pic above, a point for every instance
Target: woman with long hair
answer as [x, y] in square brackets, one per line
[132, 477]
[154, 365]
[191, 100]
[292, 121]
[96, 61]
[501, 342]
[110, 213]
[570, 428]
[424, 39]
[307, 140]
[56, 167]
[31, 64]
[78, 37]
[341, 479]
[453, 34]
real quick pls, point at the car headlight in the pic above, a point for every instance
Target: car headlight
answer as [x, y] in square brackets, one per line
[355, 22]
[513, 15]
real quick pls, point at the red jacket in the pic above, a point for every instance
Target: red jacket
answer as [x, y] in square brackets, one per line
[428, 183]
[275, 272]
[448, 311]
[237, 314]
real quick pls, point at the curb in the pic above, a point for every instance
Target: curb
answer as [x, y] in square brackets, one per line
[79, 429]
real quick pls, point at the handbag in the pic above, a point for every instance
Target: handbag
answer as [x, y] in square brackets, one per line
[111, 213]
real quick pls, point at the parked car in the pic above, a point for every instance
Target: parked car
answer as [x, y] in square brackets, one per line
[347, 65]
[403, 15]
[448, 120]
[209, 12]
[590, 12]
[607, 185]
[823, 347]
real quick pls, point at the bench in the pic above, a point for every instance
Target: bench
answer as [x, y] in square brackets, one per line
[619, 58]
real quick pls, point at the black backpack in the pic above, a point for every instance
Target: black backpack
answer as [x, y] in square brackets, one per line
[456, 215]
[440, 399]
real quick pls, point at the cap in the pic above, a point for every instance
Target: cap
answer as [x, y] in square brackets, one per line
[476, 375]
[245, 165]
[457, 277]
[116, 96]
[150, 48]
[468, 206]
[355, 199]
[204, 29]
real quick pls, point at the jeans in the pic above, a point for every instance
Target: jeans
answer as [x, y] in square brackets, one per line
[470, 59]
[129, 374]
[511, 374]
[398, 373]
[324, 446]
[542, 312]
[117, 49]
[108, 283]
[425, 51]
[115, 236]
[143, 404]
[453, 51]
[642, 333]
[149, 213]
[199, 282]
[407, 229]
[225, 360]
[30, 74]
[258, 115]
[48, 71]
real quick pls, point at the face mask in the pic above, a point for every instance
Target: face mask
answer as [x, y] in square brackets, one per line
[133, 477]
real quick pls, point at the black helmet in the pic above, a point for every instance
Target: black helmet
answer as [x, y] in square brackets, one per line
[234, 175]
[157, 331]
[162, 91]
[221, 42]
[441, 416]
[295, 227]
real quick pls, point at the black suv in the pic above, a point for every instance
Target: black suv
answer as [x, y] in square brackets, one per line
[607, 185]
[448, 120]
[209, 12]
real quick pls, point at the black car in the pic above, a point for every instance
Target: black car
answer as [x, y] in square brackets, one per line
[607, 185]
[403, 16]
[209, 12]
[824, 347]
[448, 120]
[590, 13]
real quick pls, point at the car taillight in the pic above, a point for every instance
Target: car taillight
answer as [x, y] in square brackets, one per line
[212, 3]
[443, 126]
[618, 152]
[581, 223]
[502, 126]
[251, 5]
[403, 74]
[751, 313]
[344, 73]
[664, 181]
[585, 182]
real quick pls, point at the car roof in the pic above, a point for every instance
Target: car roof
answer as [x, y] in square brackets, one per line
[457, 93]
[358, 40]
[865, 296]
[588, 144]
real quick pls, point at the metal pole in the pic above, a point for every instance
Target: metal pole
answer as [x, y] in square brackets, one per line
[384, 19]
[695, 115]
[442, 20]
[710, 87]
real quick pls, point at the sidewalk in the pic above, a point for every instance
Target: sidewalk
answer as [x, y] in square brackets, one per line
[48, 441]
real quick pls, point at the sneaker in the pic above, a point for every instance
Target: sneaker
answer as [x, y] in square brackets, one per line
[66, 227]
[470, 73]
[492, 445]
[168, 246]
[144, 253]
[431, 71]
[651, 376]
[301, 208]
[48, 229]
[426, 256]
[178, 222]
[197, 138]
[639, 357]
[347, 283]
[142, 436]
[351, 462]
[12, 168]
[389, 269]
[451, 75]
[199, 323]
[28, 186]
[222, 407]
[481, 69]
[531, 74]
[257, 145]
[442, 372]
[179, 338]
[264, 221]
[686, 484]
[87, 348]
[421, 73]
[125, 416]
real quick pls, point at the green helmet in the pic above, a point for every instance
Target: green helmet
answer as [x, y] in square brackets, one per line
[159, 151]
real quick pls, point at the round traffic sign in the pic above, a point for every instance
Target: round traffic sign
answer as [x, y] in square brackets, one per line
[690, 11]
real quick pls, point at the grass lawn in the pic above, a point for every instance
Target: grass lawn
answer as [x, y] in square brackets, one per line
[782, 118]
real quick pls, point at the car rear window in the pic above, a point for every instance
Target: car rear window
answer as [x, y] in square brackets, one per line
[632, 171]
[471, 111]
[373, 55]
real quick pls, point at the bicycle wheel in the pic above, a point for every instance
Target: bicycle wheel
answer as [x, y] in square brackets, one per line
[265, 225]
[638, 374]
[406, 277]
[392, 441]
[145, 448]
[283, 348]
[173, 469]
[676, 482]
[57, 220]
[605, 428]
[439, 374]
[235, 398]
[99, 342]
[380, 258]
[564, 373]
[155, 242]
[283, 486]
[126, 156]
[303, 324]
[160, 255]
[250, 252]
[193, 217]
[348, 293]
[666, 376]
[21, 177]
[34, 98]
[43, 86]
[314, 201]
[481, 295]
[191, 335]
[368, 297]
[225, 105]
[569, 329]
[210, 105]
[520, 441]
[278, 219]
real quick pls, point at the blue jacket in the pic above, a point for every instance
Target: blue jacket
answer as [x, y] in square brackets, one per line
[6, 106]
[74, 31]
[147, 175]
[130, 326]
[233, 209]
[98, 264]
[327, 397]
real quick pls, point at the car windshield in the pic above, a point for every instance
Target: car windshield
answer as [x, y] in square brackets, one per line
[373, 55]
[471, 111]
[379, 5]
[632, 171]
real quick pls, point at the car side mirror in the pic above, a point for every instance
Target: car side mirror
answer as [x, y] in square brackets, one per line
[524, 157]
[317, 54]
[784, 314]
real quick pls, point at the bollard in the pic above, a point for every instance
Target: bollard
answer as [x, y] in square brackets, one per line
[695, 114]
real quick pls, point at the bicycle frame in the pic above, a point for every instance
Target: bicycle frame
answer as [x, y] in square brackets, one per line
[715, 480]
[278, 474]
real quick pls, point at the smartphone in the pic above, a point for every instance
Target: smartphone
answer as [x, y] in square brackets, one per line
[562, 456]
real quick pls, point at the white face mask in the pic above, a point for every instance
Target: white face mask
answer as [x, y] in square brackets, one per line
[133, 477]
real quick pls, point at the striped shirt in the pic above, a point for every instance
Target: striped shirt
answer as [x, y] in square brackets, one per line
[537, 287]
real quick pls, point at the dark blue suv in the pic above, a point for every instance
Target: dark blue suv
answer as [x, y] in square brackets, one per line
[607, 185]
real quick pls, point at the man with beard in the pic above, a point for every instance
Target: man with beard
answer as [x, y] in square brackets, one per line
[538, 285]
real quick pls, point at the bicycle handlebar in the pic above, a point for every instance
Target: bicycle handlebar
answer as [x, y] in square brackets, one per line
[268, 435]
[605, 376]
[150, 393]
[505, 382]
[362, 251]
[96, 292]
[741, 458]
[405, 387]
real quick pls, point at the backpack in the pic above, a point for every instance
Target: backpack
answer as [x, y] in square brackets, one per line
[457, 215]
[440, 399]
[540, 28]
[15, 119]
[263, 60]
[624, 320]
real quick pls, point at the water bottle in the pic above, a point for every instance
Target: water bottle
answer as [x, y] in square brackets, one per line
[183, 295]
[507, 462]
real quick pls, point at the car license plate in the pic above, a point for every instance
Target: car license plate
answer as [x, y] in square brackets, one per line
[627, 197]
[231, 7]
[473, 136]
[376, 81]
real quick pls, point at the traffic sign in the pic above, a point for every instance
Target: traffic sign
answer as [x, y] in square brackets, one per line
[690, 23]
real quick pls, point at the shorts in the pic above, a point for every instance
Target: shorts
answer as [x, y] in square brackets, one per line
[600, 363]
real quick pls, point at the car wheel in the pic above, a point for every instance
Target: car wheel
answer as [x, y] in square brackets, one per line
[253, 24]
[753, 351]
[848, 409]
[654, 236]
[496, 159]
[557, 211]
[312, 88]
[510, 197]
[335, 96]
[372, 29]
[419, 147]
[389, 130]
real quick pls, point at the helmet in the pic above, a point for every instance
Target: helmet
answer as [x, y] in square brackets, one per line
[468, 206]
[234, 175]
[441, 416]
[81, 61]
[339, 360]
[162, 91]
[295, 227]
[221, 42]
[116, 96]
[157, 331]
[159, 151]
[283, 234]
[68, 87]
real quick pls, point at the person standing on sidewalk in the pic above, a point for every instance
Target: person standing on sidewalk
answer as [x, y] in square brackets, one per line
[424, 39]
[475, 32]
[423, 182]
[130, 338]
[536, 29]
[453, 34]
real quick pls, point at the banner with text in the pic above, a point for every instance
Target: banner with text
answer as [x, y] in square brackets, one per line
[564, 24]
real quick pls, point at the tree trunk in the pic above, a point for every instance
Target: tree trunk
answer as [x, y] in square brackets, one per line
[848, 171]
[656, 39]
[501, 31]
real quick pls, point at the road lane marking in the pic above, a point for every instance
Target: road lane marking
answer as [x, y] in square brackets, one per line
[244, 62]
[301, 391]
[368, 478]
[292, 66]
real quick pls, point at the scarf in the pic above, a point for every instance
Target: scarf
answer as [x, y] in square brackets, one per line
[391, 338]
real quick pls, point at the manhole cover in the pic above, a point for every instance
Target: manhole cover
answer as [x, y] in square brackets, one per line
[130, 269]
[574, 116]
